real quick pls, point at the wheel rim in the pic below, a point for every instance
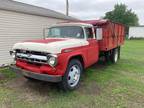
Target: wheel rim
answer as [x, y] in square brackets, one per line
[116, 55]
[74, 75]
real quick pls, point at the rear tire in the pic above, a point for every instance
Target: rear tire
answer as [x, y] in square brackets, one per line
[71, 79]
[115, 55]
[107, 56]
[119, 48]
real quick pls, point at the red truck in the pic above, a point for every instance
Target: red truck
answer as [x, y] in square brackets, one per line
[68, 48]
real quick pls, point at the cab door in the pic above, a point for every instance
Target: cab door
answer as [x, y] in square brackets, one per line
[92, 51]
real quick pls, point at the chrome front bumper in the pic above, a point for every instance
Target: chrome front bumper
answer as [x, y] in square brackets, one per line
[42, 77]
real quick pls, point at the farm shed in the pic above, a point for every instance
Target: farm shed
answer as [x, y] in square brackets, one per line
[19, 22]
[136, 32]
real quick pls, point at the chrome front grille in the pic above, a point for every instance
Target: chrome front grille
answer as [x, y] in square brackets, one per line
[32, 56]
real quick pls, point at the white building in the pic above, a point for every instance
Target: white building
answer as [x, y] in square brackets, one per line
[136, 32]
[19, 21]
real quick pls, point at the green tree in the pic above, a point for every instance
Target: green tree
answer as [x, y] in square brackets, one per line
[122, 15]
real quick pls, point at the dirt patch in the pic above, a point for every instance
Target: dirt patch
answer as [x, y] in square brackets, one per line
[32, 90]
[35, 90]
[90, 89]
[16, 83]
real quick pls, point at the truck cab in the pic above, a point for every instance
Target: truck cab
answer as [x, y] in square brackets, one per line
[67, 49]
[77, 31]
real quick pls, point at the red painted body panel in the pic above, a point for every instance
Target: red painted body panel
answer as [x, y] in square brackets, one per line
[93, 51]
[43, 69]
[113, 36]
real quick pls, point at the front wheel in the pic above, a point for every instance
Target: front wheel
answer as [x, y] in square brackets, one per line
[72, 76]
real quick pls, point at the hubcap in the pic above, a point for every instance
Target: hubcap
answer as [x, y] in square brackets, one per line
[74, 75]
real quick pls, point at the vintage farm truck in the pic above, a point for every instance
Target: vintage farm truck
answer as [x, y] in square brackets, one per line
[68, 48]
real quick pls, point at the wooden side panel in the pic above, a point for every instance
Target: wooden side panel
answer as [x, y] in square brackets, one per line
[113, 36]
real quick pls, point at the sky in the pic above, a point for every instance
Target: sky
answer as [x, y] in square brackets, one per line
[89, 9]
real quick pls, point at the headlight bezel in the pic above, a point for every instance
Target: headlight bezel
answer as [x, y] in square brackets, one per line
[52, 58]
[13, 54]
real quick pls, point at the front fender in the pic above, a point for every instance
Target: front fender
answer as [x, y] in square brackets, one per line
[64, 58]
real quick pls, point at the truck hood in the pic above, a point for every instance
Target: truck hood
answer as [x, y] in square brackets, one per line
[52, 45]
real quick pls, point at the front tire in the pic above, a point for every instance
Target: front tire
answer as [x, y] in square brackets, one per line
[71, 79]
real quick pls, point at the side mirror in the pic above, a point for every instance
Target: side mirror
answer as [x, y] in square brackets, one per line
[99, 33]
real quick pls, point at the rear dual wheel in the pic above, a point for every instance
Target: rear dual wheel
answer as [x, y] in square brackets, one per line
[113, 55]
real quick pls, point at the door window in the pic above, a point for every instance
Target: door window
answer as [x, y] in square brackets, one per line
[89, 32]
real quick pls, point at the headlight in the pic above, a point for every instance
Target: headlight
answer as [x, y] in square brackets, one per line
[52, 60]
[13, 54]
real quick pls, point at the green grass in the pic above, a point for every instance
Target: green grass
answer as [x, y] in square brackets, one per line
[7, 74]
[118, 85]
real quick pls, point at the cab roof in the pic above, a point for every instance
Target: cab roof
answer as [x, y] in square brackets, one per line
[73, 24]
[95, 22]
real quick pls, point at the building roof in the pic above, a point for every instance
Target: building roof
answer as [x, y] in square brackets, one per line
[11, 5]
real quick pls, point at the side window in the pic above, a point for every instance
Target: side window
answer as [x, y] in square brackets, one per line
[54, 32]
[89, 32]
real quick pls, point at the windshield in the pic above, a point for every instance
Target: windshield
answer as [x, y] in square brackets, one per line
[65, 32]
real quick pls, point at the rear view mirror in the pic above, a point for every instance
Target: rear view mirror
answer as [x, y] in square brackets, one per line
[99, 33]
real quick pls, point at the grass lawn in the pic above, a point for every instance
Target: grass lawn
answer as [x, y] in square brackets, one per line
[118, 85]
